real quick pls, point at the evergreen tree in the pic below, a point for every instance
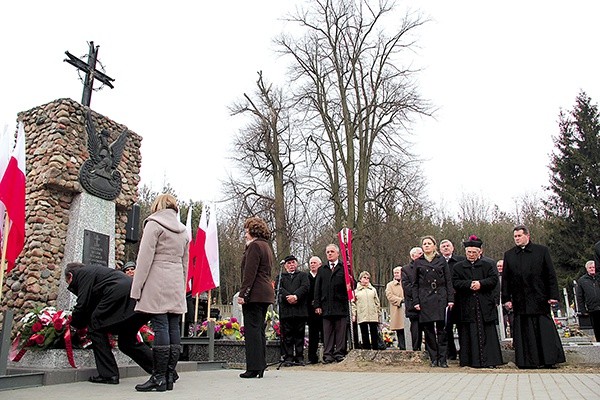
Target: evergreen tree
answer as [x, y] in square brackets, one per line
[574, 203]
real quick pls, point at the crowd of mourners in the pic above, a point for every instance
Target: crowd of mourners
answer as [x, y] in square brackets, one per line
[435, 293]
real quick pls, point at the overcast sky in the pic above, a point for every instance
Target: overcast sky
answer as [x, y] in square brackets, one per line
[498, 74]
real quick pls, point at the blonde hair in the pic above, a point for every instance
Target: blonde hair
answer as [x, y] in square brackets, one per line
[363, 274]
[163, 201]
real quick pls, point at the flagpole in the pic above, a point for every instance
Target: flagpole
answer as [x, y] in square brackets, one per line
[196, 311]
[208, 305]
[5, 233]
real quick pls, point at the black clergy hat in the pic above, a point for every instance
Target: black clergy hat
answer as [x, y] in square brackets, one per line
[473, 241]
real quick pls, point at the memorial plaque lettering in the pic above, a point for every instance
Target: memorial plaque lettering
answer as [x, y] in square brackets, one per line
[95, 248]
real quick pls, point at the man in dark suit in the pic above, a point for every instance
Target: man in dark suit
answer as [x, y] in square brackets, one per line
[104, 306]
[530, 288]
[331, 301]
[293, 290]
[409, 277]
[315, 321]
[447, 250]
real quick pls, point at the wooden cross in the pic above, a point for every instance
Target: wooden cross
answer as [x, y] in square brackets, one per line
[91, 73]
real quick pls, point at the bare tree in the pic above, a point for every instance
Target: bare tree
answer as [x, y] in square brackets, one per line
[354, 86]
[264, 152]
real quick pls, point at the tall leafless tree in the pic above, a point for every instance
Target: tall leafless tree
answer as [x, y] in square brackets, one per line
[264, 153]
[355, 87]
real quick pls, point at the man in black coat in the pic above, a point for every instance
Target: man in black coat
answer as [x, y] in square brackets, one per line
[315, 321]
[475, 309]
[331, 301]
[293, 290]
[409, 278]
[447, 251]
[104, 306]
[530, 288]
[588, 296]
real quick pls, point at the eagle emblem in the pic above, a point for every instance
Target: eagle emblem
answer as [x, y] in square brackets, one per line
[98, 174]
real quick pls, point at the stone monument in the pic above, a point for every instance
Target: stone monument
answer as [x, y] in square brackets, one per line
[65, 223]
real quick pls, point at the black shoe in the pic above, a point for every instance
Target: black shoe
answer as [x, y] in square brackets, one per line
[339, 359]
[113, 380]
[443, 364]
[550, 366]
[328, 360]
[252, 374]
[434, 363]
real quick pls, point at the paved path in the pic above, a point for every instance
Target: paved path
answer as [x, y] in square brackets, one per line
[303, 383]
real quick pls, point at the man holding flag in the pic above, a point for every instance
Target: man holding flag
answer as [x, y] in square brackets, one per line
[331, 301]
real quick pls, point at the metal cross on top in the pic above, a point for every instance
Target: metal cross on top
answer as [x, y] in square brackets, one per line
[91, 73]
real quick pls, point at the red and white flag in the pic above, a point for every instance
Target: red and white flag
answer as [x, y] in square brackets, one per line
[12, 194]
[207, 252]
[192, 256]
[6, 146]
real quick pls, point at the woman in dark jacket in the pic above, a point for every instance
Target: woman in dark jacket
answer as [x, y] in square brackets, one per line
[256, 294]
[433, 294]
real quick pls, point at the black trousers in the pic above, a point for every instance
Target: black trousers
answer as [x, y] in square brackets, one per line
[315, 335]
[292, 338]
[369, 335]
[435, 340]
[416, 333]
[254, 335]
[127, 331]
[595, 319]
[334, 337]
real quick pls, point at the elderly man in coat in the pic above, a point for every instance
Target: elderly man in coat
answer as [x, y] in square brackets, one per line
[395, 295]
[475, 281]
[331, 301]
[104, 306]
[293, 289]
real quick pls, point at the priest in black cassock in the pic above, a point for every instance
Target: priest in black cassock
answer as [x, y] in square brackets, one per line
[474, 281]
[529, 288]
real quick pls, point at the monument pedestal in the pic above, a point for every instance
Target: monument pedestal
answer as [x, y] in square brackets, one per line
[90, 238]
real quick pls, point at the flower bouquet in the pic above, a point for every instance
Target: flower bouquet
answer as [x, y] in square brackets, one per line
[146, 335]
[228, 328]
[46, 328]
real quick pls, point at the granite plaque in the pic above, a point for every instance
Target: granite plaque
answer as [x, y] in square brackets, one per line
[95, 248]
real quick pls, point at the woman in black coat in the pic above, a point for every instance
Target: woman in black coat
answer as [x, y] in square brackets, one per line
[256, 294]
[433, 294]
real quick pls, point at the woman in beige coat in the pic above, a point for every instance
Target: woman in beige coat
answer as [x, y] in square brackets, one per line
[366, 310]
[159, 287]
[395, 295]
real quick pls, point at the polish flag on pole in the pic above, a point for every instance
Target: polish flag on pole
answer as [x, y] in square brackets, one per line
[6, 145]
[12, 194]
[188, 230]
[207, 252]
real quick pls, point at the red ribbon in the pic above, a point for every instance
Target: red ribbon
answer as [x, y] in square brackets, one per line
[69, 345]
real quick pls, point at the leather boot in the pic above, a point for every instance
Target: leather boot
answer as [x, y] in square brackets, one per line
[172, 375]
[158, 381]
